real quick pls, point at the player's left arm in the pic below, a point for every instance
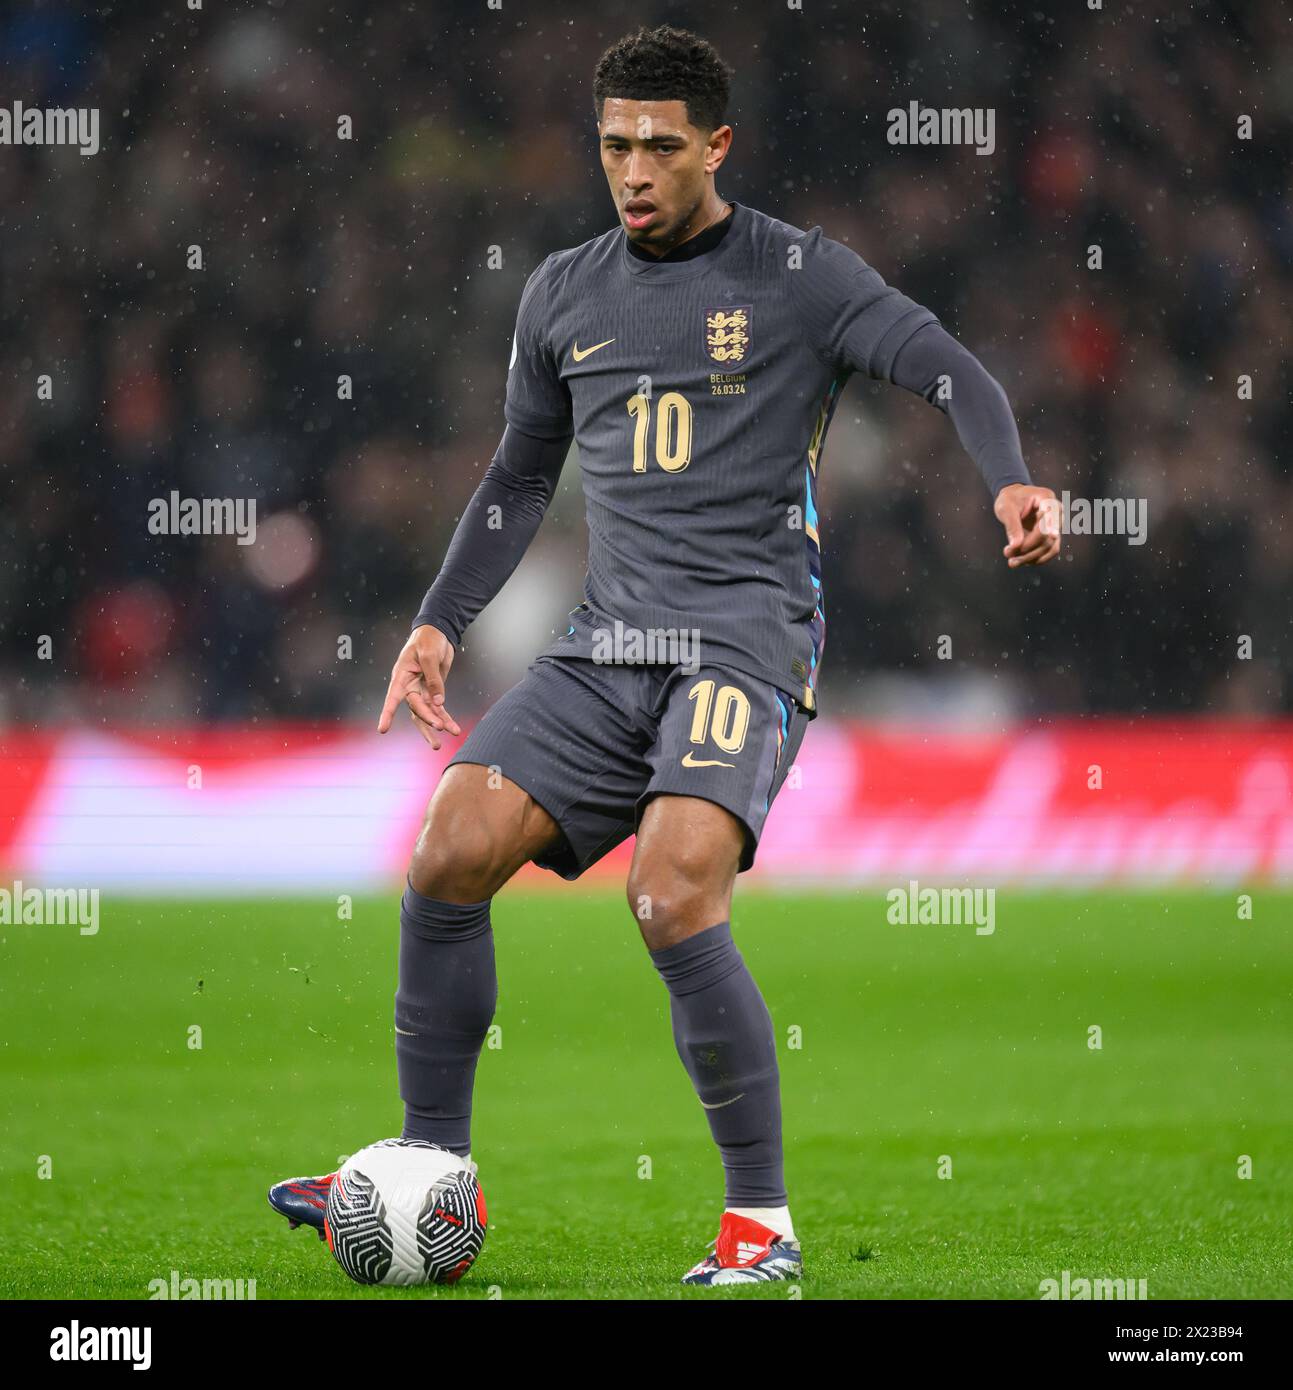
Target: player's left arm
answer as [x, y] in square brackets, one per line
[855, 322]
[935, 366]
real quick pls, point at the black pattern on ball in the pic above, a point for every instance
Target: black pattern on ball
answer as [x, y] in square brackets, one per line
[451, 1228]
[357, 1231]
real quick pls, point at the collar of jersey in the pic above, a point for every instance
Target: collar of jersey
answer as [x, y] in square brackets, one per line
[681, 270]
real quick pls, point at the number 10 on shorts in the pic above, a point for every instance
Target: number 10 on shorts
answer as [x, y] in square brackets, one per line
[724, 717]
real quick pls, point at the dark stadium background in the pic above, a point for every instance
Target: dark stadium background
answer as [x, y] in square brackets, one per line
[184, 744]
[474, 129]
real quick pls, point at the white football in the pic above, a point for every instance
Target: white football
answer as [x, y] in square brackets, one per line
[405, 1212]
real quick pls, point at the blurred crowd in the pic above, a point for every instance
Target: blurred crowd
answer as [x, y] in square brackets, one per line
[395, 258]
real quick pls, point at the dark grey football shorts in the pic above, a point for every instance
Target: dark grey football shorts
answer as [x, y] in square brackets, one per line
[593, 743]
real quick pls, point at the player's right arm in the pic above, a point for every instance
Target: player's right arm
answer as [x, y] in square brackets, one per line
[496, 530]
[498, 524]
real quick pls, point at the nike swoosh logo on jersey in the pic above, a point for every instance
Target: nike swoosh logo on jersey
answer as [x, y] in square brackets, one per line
[691, 761]
[580, 355]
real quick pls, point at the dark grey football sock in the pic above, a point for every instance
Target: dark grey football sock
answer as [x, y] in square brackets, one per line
[723, 1033]
[443, 1008]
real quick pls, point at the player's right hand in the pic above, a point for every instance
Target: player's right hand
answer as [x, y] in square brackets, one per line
[417, 680]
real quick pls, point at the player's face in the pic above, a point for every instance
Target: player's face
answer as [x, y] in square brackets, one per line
[658, 165]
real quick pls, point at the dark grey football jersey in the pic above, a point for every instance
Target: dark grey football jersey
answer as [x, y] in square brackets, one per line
[699, 393]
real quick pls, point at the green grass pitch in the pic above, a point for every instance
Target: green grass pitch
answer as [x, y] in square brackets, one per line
[916, 1042]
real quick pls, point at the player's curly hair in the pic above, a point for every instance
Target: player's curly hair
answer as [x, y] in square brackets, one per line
[666, 64]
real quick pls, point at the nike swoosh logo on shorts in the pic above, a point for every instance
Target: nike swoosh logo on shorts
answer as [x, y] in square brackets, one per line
[690, 761]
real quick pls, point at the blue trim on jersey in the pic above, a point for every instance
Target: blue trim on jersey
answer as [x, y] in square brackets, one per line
[818, 623]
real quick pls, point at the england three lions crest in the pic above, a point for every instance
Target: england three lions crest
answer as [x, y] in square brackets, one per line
[727, 333]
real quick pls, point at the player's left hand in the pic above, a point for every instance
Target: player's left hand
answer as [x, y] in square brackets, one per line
[1031, 516]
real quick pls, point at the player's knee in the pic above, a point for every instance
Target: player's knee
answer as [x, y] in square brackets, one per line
[675, 896]
[455, 858]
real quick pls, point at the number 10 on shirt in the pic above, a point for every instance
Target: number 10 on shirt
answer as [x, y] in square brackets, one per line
[672, 422]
